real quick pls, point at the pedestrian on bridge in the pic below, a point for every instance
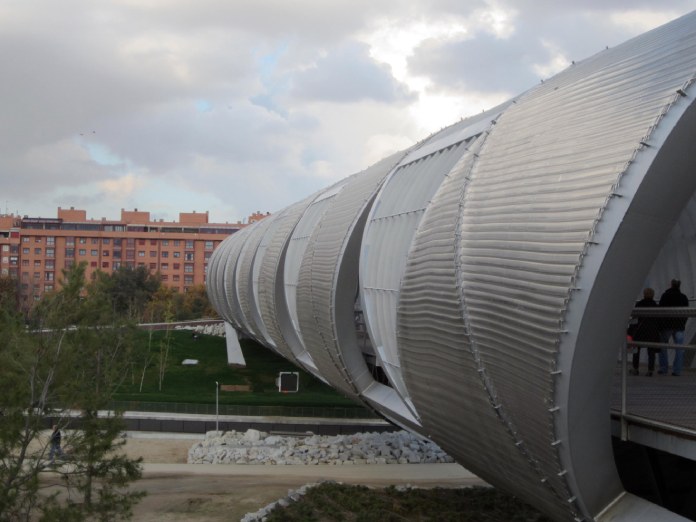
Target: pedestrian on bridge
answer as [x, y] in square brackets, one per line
[673, 328]
[647, 329]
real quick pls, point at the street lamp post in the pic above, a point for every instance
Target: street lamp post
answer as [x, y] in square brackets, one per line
[217, 410]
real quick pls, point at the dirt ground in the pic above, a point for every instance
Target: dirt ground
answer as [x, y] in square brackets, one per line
[211, 494]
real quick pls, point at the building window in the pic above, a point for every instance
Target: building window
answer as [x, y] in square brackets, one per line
[207, 255]
[130, 254]
[25, 262]
[165, 242]
[37, 263]
[153, 253]
[176, 242]
[48, 276]
[50, 264]
[177, 266]
[188, 268]
[69, 241]
[106, 241]
[48, 288]
[37, 276]
[141, 253]
[188, 280]
[153, 242]
[25, 239]
[37, 240]
[141, 241]
[208, 245]
[69, 263]
[13, 260]
[50, 241]
[5, 248]
[117, 265]
[105, 264]
[117, 254]
[25, 251]
[50, 252]
[130, 242]
[188, 256]
[189, 244]
[165, 254]
[93, 264]
[25, 277]
[165, 277]
[153, 266]
[95, 241]
[141, 264]
[165, 266]
[177, 254]
[117, 242]
[69, 252]
[37, 251]
[83, 252]
[105, 253]
[83, 240]
[94, 253]
[175, 278]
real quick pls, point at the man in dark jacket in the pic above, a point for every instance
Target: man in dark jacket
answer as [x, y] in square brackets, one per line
[673, 327]
[647, 329]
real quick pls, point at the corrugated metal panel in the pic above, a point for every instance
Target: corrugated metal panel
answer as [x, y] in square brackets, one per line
[229, 274]
[271, 299]
[330, 252]
[298, 245]
[245, 282]
[393, 220]
[439, 363]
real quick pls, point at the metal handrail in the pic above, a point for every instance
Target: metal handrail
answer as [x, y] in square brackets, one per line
[648, 344]
[649, 312]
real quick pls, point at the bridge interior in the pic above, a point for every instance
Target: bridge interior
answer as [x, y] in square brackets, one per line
[654, 435]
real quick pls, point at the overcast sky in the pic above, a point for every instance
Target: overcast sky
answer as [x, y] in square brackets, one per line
[233, 106]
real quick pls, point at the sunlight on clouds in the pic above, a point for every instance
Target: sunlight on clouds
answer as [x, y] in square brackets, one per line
[639, 21]
[123, 186]
[379, 146]
[160, 49]
[556, 63]
[435, 111]
[496, 20]
[395, 42]
[322, 169]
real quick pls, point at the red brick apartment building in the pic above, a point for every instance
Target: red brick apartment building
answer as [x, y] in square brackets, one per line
[35, 250]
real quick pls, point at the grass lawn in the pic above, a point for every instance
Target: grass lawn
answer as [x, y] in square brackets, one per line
[330, 502]
[196, 384]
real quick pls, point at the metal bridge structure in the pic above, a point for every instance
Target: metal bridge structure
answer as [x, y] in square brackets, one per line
[476, 287]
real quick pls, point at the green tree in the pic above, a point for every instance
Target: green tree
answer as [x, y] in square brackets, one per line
[128, 289]
[9, 296]
[63, 369]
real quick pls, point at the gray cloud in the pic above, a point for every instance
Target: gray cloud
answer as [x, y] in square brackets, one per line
[484, 63]
[348, 74]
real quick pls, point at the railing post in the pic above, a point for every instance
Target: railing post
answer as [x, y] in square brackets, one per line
[624, 374]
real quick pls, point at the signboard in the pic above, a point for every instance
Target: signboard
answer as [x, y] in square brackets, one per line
[288, 382]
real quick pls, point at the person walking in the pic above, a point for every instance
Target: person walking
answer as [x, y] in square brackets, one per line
[647, 329]
[673, 328]
[55, 445]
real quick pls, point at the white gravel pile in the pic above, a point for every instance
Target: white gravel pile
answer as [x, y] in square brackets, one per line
[257, 447]
[217, 329]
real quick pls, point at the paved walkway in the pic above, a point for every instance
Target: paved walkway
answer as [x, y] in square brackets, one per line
[393, 473]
